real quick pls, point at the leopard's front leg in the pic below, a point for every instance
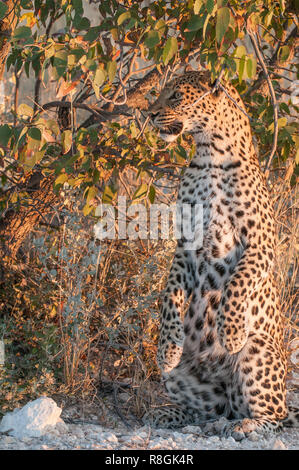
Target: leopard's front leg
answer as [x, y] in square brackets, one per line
[233, 317]
[179, 288]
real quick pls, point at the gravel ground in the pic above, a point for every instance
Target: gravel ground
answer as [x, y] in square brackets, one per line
[79, 432]
[92, 436]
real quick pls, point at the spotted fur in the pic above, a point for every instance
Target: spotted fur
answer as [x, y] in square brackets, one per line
[227, 357]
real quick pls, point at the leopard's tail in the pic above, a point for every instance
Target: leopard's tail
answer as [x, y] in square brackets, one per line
[292, 420]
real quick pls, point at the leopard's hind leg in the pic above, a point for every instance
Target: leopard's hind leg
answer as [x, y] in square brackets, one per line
[257, 397]
[195, 397]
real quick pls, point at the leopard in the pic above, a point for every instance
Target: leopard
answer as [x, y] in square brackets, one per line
[221, 342]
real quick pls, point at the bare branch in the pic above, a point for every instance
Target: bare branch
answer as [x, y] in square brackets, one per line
[258, 53]
[100, 114]
[272, 61]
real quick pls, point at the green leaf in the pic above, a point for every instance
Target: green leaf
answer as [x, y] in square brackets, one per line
[32, 144]
[152, 194]
[160, 26]
[25, 111]
[22, 32]
[284, 107]
[195, 23]
[123, 17]
[240, 51]
[81, 23]
[35, 133]
[152, 39]
[5, 134]
[108, 195]
[242, 62]
[140, 192]
[100, 77]
[77, 4]
[37, 157]
[251, 67]
[92, 34]
[26, 4]
[210, 4]
[111, 69]
[60, 62]
[284, 53]
[170, 49]
[223, 18]
[67, 139]
[91, 64]
[181, 152]
[3, 10]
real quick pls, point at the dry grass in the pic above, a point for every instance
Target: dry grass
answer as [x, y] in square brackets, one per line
[285, 199]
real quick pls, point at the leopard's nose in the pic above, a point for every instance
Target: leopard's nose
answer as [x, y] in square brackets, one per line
[153, 114]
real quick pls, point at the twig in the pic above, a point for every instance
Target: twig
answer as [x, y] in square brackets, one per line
[115, 390]
[273, 97]
[234, 101]
[273, 60]
[122, 81]
[214, 88]
[39, 77]
[143, 127]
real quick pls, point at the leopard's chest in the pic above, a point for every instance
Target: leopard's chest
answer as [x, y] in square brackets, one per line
[211, 199]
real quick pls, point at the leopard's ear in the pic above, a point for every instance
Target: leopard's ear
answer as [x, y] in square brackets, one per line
[205, 76]
[216, 91]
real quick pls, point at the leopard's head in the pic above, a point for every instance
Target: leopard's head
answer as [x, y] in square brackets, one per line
[188, 103]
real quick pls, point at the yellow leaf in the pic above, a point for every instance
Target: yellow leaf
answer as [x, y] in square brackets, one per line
[53, 312]
[87, 209]
[30, 19]
[92, 192]
[66, 87]
[61, 179]
[281, 123]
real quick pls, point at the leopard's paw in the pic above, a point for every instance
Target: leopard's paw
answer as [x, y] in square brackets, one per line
[170, 350]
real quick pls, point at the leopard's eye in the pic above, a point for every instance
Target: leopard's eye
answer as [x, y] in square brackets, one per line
[177, 95]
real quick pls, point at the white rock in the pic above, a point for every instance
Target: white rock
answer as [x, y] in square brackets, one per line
[7, 440]
[109, 436]
[254, 437]
[278, 445]
[62, 427]
[191, 430]
[33, 420]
